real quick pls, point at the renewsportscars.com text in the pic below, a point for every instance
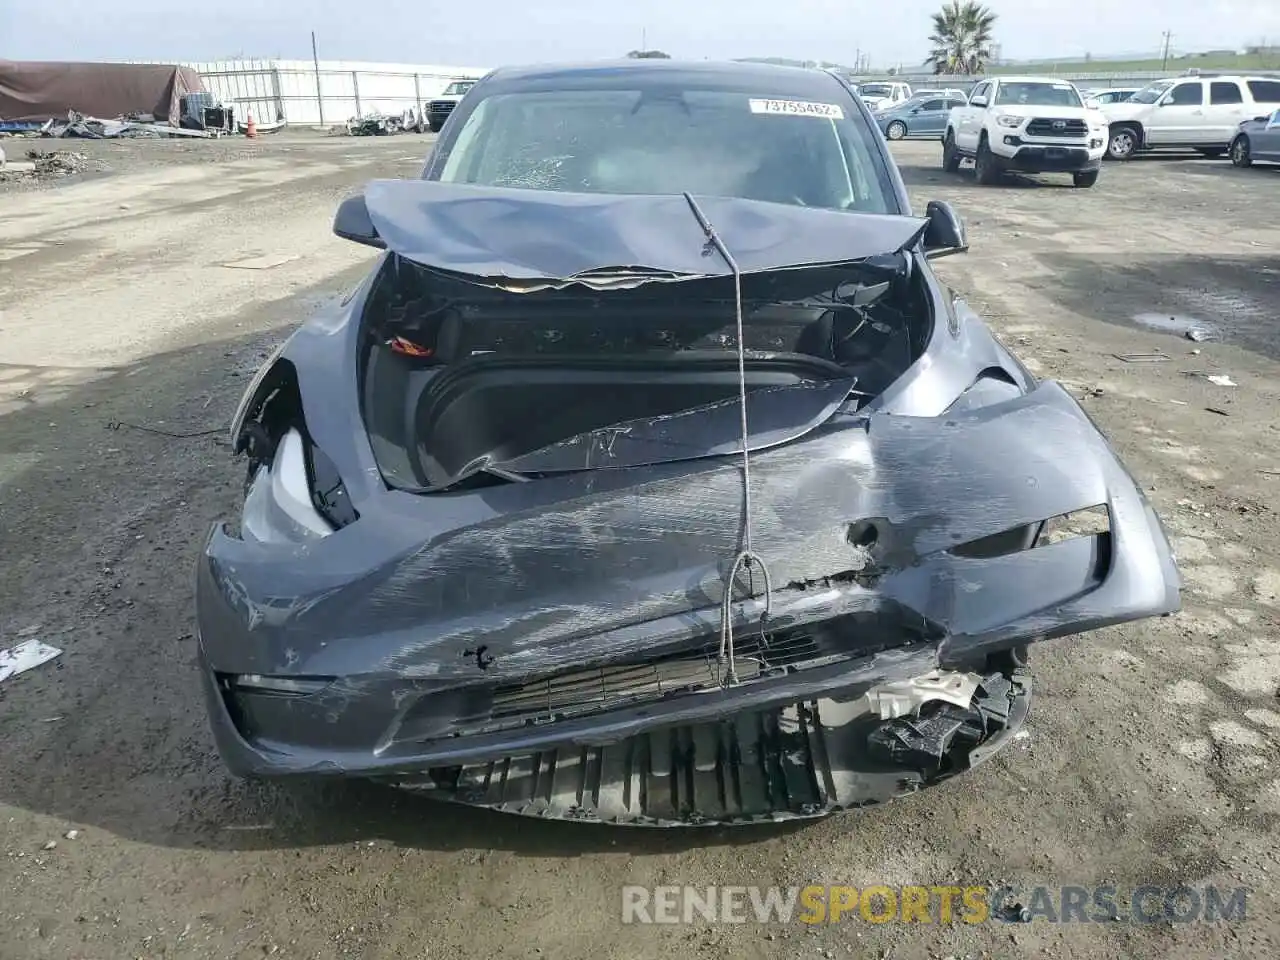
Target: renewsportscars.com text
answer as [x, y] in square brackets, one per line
[941, 904]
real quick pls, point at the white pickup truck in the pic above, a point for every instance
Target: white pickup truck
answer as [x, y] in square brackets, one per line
[1032, 124]
[881, 96]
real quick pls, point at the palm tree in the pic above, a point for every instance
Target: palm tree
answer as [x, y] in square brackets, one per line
[961, 37]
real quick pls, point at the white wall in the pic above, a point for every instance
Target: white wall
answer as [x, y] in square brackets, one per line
[287, 89]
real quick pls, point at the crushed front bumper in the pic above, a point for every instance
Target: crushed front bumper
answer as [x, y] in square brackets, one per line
[804, 760]
[386, 649]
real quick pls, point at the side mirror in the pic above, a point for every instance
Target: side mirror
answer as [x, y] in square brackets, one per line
[352, 222]
[1093, 103]
[978, 102]
[945, 233]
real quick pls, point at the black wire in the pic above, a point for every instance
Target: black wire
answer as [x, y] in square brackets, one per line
[117, 424]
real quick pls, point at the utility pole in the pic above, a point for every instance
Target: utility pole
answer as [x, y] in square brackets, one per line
[644, 39]
[315, 59]
[1164, 59]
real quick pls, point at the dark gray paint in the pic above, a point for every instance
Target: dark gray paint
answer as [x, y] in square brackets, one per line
[492, 233]
[610, 563]
[391, 603]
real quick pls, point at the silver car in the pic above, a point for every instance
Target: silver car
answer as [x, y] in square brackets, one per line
[1257, 139]
[918, 118]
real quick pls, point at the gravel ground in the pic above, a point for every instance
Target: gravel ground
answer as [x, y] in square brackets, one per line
[1154, 748]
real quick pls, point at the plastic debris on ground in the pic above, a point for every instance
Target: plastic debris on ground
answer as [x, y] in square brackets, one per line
[1141, 357]
[25, 656]
[1217, 379]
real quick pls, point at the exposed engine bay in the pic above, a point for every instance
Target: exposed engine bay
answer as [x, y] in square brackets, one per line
[461, 377]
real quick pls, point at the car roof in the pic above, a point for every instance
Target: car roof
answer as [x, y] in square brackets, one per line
[764, 78]
[1031, 79]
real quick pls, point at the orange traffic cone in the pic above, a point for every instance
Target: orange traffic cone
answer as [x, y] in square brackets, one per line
[251, 129]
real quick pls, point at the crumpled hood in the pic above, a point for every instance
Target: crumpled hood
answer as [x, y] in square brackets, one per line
[533, 238]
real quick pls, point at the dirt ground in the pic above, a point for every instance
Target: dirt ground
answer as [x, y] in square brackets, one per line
[1154, 749]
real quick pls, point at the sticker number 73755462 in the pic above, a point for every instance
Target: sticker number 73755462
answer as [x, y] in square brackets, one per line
[798, 108]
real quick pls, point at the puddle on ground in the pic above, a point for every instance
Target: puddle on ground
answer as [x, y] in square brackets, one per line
[1179, 324]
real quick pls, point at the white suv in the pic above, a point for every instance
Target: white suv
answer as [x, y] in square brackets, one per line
[1201, 113]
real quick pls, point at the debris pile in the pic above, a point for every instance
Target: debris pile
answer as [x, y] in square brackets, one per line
[49, 164]
[378, 124]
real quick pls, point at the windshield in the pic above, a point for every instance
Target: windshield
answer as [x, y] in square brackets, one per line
[459, 88]
[875, 90]
[1151, 93]
[1037, 95]
[711, 141]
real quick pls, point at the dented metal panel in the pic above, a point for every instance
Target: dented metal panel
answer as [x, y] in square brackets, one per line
[491, 233]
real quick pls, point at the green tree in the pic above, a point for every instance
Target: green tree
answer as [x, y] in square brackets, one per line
[961, 38]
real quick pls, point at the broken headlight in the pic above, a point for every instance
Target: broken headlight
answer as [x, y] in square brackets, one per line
[251, 394]
[278, 506]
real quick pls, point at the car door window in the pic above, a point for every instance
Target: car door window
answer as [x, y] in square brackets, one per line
[1265, 91]
[930, 105]
[1223, 92]
[1186, 95]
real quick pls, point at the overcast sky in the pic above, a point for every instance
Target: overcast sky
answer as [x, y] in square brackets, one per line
[488, 33]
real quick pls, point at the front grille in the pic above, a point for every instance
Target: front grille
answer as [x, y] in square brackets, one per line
[1048, 127]
[584, 691]
[651, 677]
[442, 106]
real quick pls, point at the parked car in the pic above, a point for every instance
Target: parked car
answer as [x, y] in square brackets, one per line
[1200, 113]
[877, 96]
[1110, 95]
[954, 93]
[1032, 124]
[919, 117]
[652, 476]
[438, 110]
[1257, 139]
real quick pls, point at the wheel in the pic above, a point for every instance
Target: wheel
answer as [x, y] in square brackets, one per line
[1124, 142]
[1086, 178]
[950, 158]
[1240, 151]
[896, 130]
[986, 166]
[1210, 151]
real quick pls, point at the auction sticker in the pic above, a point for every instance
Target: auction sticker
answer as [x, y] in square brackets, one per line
[798, 108]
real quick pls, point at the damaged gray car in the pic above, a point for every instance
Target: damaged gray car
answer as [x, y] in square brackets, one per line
[651, 476]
